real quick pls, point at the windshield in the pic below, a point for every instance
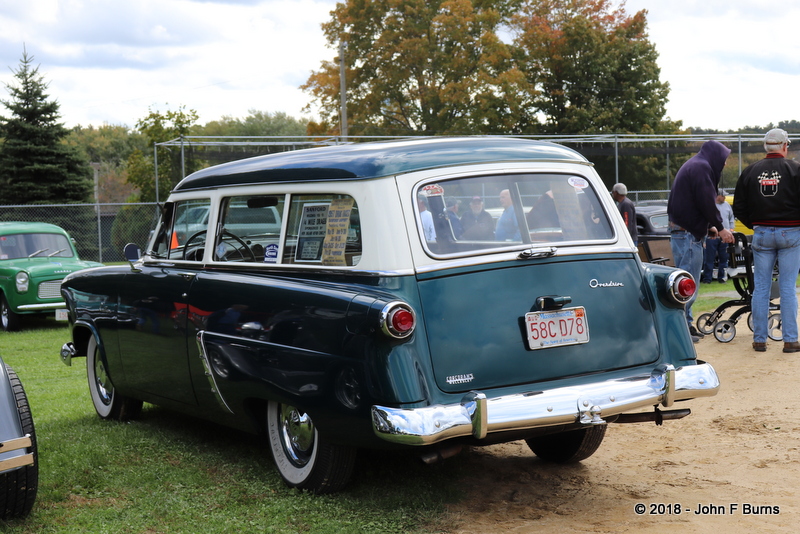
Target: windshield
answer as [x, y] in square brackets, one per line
[484, 212]
[17, 246]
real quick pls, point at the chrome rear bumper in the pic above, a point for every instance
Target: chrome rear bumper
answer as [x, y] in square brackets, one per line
[588, 404]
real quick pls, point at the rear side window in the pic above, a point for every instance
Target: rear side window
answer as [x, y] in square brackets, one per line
[469, 214]
[324, 230]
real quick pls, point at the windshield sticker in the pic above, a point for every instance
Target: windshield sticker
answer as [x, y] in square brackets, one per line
[578, 183]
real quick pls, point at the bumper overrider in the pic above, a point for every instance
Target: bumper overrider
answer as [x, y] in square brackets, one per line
[588, 404]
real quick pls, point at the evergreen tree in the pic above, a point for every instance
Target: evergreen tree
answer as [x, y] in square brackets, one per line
[36, 166]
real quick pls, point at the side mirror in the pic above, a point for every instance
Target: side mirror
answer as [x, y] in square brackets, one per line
[132, 252]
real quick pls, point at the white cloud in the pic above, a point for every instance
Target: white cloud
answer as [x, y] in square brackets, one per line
[109, 61]
[730, 63]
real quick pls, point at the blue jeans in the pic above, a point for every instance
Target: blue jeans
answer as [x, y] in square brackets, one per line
[771, 243]
[688, 255]
[715, 247]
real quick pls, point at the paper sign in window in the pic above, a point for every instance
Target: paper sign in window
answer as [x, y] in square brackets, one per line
[312, 233]
[338, 228]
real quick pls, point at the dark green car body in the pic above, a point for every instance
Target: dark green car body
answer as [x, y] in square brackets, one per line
[367, 323]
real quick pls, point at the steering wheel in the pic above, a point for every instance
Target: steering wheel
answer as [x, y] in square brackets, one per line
[240, 250]
[198, 250]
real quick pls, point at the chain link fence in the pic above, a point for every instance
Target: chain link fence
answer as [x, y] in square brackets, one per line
[100, 231]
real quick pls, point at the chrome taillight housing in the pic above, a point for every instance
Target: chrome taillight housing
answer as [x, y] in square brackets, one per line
[398, 320]
[681, 287]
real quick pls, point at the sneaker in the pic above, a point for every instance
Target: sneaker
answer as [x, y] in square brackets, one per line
[721, 280]
[705, 281]
[791, 346]
[760, 346]
[695, 333]
[695, 339]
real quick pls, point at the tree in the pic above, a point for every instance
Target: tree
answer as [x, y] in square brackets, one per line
[257, 123]
[36, 166]
[440, 67]
[108, 148]
[420, 66]
[592, 67]
[158, 128]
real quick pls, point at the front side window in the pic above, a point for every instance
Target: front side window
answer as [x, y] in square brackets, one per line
[182, 231]
[249, 228]
[484, 212]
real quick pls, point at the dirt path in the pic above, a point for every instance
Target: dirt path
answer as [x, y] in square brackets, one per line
[736, 457]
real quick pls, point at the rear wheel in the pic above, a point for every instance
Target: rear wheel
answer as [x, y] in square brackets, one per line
[306, 460]
[9, 319]
[568, 447]
[18, 488]
[107, 402]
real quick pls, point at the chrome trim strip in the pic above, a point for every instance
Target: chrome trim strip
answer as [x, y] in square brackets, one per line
[50, 306]
[208, 372]
[587, 404]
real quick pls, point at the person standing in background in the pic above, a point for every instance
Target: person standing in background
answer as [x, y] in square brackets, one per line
[767, 199]
[693, 213]
[626, 208]
[715, 248]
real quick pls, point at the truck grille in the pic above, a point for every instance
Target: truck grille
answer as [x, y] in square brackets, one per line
[50, 290]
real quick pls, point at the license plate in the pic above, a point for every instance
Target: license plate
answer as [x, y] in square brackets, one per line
[557, 328]
[62, 315]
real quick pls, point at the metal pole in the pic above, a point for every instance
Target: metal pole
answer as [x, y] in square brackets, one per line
[183, 164]
[96, 167]
[155, 165]
[616, 159]
[343, 89]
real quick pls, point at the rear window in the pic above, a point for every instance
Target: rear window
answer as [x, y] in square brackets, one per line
[483, 212]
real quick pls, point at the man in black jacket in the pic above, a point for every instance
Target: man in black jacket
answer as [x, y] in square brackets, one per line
[767, 199]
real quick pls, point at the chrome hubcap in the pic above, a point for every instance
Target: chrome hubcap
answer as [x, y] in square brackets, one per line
[297, 435]
[105, 389]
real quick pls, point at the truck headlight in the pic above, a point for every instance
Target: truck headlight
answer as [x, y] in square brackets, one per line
[22, 280]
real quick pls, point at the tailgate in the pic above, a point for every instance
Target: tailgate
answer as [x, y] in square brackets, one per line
[476, 328]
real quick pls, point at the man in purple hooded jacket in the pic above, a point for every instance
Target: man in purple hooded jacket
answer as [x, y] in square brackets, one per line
[693, 213]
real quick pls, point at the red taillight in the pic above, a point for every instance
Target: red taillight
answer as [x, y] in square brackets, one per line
[402, 320]
[681, 287]
[685, 288]
[397, 320]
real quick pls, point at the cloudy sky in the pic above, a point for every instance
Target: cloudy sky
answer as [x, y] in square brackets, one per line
[730, 63]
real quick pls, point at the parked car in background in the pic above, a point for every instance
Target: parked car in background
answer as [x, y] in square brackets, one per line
[741, 228]
[34, 258]
[19, 457]
[368, 321]
[652, 219]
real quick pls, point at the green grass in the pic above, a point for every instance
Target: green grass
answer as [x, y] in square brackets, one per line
[166, 473]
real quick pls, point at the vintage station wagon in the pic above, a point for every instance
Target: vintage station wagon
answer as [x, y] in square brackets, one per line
[388, 309]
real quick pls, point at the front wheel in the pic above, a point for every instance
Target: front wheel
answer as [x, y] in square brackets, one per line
[10, 320]
[306, 460]
[568, 447]
[107, 402]
[18, 488]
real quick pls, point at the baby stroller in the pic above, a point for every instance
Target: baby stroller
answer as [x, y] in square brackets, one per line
[740, 271]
